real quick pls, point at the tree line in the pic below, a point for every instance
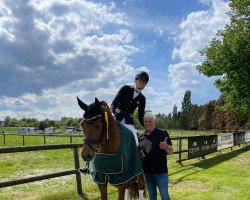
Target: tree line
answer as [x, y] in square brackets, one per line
[41, 125]
[211, 116]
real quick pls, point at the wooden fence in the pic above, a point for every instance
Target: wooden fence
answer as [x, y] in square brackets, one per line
[43, 136]
[62, 173]
[179, 147]
[46, 176]
[180, 144]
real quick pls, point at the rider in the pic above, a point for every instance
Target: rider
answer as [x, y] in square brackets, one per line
[128, 98]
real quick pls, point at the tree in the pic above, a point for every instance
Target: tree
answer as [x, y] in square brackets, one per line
[69, 121]
[6, 121]
[174, 117]
[206, 120]
[186, 104]
[194, 115]
[162, 121]
[41, 125]
[227, 119]
[13, 123]
[74, 124]
[228, 57]
[51, 123]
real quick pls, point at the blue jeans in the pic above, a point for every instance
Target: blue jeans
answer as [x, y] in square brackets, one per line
[159, 180]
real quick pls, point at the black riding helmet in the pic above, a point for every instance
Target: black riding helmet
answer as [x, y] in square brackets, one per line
[142, 75]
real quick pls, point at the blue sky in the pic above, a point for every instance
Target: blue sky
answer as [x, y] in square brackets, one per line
[54, 50]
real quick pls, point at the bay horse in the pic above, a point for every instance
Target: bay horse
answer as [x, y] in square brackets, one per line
[110, 151]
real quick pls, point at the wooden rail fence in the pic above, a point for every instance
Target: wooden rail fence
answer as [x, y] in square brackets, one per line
[179, 148]
[44, 136]
[67, 172]
[46, 176]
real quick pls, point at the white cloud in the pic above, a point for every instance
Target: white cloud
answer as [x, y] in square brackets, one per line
[42, 39]
[51, 50]
[198, 29]
[160, 102]
[195, 33]
[158, 31]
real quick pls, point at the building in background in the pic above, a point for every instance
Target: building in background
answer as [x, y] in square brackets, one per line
[27, 130]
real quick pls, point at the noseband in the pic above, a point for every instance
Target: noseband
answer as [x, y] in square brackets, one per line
[101, 142]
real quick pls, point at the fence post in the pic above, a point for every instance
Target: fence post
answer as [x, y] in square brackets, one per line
[44, 139]
[180, 149]
[78, 175]
[23, 140]
[177, 144]
[4, 142]
[70, 139]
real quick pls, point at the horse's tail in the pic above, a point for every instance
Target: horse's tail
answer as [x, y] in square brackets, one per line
[136, 184]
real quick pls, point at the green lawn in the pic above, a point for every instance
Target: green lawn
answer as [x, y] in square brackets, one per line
[223, 176]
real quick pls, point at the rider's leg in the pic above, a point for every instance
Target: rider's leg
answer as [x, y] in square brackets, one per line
[134, 131]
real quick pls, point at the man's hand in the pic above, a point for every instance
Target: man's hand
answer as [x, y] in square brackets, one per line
[164, 144]
[142, 154]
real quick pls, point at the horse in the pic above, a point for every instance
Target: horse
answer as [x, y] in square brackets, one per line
[110, 159]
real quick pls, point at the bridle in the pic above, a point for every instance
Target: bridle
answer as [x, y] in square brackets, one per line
[105, 128]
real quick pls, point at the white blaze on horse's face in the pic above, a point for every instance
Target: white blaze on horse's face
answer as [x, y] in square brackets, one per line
[93, 132]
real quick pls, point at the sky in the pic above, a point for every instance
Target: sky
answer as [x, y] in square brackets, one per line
[52, 51]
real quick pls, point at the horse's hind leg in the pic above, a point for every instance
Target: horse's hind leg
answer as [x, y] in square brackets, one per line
[103, 191]
[141, 186]
[121, 190]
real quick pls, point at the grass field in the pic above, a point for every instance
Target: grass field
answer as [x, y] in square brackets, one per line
[223, 176]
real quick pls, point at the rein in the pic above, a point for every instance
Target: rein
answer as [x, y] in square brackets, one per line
[105, 128]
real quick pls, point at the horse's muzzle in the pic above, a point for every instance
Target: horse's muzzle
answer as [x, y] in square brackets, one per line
[87, 157]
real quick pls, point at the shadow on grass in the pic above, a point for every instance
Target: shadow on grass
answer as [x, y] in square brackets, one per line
[208, 163]
[65, 196]
[220, 158]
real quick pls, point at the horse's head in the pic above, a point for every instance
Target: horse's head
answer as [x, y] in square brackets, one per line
[94, 126]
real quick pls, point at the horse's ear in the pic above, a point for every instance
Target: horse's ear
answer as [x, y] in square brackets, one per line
[98, 104]
[81, 104]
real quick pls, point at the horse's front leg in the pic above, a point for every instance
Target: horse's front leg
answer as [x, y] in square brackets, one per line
[103, 191]
[121, 190]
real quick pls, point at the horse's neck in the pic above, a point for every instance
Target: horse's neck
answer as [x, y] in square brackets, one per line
[114, 140]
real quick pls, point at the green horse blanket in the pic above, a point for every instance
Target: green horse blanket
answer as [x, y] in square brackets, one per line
[120, 167]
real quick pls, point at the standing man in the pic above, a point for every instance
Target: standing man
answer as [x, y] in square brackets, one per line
[128, 98]
[155, 145]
